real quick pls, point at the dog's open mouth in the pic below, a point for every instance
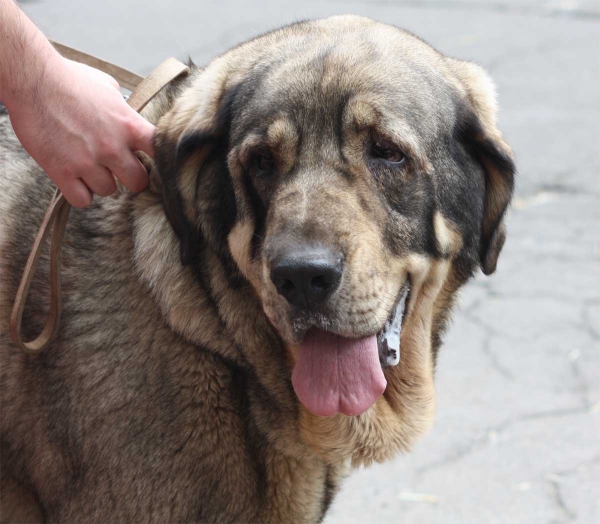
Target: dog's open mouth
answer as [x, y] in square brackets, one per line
[335, 374]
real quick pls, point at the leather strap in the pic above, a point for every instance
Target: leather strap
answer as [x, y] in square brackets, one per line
[57, 215]
[149, 87]
[125, 78]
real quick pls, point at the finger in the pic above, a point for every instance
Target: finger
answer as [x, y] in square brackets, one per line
[129, 170]
[106, 77]
[111, 80]
[76, 192]
[114, 82]
[142, 139]
[100, 181]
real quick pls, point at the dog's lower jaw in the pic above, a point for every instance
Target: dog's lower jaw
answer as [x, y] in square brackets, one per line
[406, 410]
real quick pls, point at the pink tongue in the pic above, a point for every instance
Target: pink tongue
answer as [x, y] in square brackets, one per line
[334, 374]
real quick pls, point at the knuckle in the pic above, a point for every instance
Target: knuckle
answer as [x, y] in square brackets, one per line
[67, 173]
[132, 128]
[108, 187]
[108, 149]
[85, 168]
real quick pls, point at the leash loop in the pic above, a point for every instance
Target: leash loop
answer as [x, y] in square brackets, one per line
[57, 214]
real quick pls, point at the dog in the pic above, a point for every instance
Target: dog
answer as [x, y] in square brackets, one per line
[266, 315]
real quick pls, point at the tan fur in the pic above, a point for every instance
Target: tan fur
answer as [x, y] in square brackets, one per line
[448, 238]
[239, 245]
[480, 90]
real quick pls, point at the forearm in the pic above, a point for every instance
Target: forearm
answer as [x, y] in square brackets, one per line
[69, 117]
[25, 55]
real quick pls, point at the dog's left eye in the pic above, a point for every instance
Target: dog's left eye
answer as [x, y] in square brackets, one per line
[388, 151]
[263, 161]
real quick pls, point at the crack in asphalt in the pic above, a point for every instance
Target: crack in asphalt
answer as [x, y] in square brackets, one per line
[560, 503]
[582, 387]
[590, 328]
[493, 358]
[555, 480]
[480, 442]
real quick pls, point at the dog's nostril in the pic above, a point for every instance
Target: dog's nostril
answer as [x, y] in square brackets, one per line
[287, 287]
[320, 282]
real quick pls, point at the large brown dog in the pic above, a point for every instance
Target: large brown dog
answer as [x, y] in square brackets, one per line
[230, 338]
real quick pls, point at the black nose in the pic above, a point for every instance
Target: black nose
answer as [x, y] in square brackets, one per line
[307, 276]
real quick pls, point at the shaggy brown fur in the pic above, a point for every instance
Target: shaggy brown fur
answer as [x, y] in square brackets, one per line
[167, 395]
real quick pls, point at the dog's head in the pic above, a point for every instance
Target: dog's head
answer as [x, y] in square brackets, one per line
[332, 161]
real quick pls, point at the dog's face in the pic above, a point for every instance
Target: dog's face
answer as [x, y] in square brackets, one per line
[332, 161]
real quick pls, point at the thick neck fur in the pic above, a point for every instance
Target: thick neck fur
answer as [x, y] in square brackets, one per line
[199, 303]
[202, 305]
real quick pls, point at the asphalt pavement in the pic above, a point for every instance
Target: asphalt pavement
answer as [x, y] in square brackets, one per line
[517, 436]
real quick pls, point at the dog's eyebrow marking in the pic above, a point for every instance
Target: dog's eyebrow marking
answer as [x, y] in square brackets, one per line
[282, 136]
[253, 140]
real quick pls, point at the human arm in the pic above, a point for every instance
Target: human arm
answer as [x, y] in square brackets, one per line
[69, 117]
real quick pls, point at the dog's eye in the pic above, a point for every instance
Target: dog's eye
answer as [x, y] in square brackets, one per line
[388, 151]
[263, 161]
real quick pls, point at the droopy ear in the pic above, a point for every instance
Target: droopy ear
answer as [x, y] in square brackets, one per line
[476, 127]
[197, 124]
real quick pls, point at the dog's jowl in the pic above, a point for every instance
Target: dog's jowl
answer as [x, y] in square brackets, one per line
[267, 314]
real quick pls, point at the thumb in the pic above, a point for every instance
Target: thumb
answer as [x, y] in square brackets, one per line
[143, 137]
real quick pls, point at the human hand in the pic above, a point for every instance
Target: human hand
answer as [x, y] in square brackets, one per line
[77, 126]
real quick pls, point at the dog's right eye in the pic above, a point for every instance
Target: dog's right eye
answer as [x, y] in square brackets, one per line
[263, 161]
[386, 150]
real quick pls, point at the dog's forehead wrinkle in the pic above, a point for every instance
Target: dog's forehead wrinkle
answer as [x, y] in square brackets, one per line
[319, 95]
[296, 198]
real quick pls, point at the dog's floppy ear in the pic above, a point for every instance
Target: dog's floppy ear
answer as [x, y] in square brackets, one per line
[477, 130]
[197, 124]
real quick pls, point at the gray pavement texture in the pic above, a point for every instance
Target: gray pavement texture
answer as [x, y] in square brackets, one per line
[517, 437]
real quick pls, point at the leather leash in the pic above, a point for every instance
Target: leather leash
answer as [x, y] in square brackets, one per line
[127, 79]
[57, 215]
